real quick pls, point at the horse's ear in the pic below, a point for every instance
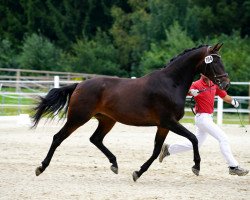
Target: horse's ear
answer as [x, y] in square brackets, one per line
[219, 46]
[216, 47]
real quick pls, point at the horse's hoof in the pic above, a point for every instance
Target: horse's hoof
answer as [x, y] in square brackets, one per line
[39, 171]
[135, 175]
[195, 171]
[114, 169]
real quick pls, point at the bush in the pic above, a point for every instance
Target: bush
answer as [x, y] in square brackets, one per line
[7, 55]
[236, 59]
[97, 56]
[160, 54]
[39, 53]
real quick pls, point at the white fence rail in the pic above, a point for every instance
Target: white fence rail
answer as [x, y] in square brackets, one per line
[220, 110]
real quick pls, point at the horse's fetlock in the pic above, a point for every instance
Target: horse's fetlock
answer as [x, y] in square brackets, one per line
[44, 165]
[113, 161]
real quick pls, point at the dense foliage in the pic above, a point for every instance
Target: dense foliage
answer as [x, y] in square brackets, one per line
[121, 37]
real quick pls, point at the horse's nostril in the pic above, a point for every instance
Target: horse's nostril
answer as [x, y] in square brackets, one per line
[224, 85]
[227, 86]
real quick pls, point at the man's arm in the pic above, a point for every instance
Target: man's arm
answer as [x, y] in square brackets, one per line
[230, 100]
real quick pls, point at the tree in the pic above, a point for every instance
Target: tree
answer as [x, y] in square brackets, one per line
[162, 15]
[96, 55]
[138, 30]
[129, 33]
[40, 54]
[235, 54]
[219, 17]
[159, 54]
[12, 21]
[8, 58]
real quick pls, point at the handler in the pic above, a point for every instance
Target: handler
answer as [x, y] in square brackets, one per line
[204, 92]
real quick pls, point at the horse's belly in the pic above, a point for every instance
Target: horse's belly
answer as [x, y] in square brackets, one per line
[133, 118]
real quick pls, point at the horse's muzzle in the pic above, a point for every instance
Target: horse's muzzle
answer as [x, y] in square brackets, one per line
[224, 85]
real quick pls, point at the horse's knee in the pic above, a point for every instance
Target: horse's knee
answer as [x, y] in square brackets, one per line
[194, 140]
[92, 139]
[95, 140]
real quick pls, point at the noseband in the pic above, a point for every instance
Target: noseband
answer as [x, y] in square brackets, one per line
[208, 60]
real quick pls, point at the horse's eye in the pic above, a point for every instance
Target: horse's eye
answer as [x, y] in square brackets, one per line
[216, 61]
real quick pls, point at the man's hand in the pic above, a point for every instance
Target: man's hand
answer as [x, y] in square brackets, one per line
[194, 92]
[235, 103]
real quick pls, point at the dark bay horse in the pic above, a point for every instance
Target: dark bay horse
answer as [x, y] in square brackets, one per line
[156, 99]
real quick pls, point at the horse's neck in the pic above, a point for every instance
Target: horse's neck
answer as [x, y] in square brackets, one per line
[183, 70]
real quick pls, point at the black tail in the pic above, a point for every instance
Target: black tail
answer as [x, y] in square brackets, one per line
[53, 102]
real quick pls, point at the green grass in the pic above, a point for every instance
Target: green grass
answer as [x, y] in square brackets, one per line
[12, 111]
[228, 118]
[188, 118]
[24, 90]
[30, 103]
[14, 100]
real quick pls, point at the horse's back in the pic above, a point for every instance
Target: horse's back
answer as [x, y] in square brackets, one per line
[125, 100]
[115, 90]
[141, 101]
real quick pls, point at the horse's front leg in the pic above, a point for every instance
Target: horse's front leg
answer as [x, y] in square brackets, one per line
[177, 128]
[159, 139]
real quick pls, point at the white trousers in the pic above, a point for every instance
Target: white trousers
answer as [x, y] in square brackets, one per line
[204, 126]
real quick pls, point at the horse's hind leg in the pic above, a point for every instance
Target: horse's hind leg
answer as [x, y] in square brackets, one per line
[58, 138]
[104, 126]
[159, 139]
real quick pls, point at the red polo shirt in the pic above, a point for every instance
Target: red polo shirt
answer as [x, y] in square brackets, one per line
[205, 99]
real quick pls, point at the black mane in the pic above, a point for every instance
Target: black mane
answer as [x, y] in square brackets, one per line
[186, 51]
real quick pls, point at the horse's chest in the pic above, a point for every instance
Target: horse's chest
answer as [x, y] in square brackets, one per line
[175, 108]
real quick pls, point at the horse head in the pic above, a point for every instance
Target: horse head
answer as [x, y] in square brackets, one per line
[213, 68]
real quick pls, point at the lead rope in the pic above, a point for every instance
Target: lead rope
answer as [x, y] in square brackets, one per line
[192, 104]
[241, 121]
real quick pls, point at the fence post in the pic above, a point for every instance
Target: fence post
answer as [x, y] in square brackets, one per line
[18, 74]
[249, 103]
[219, 111]
[56, 81]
